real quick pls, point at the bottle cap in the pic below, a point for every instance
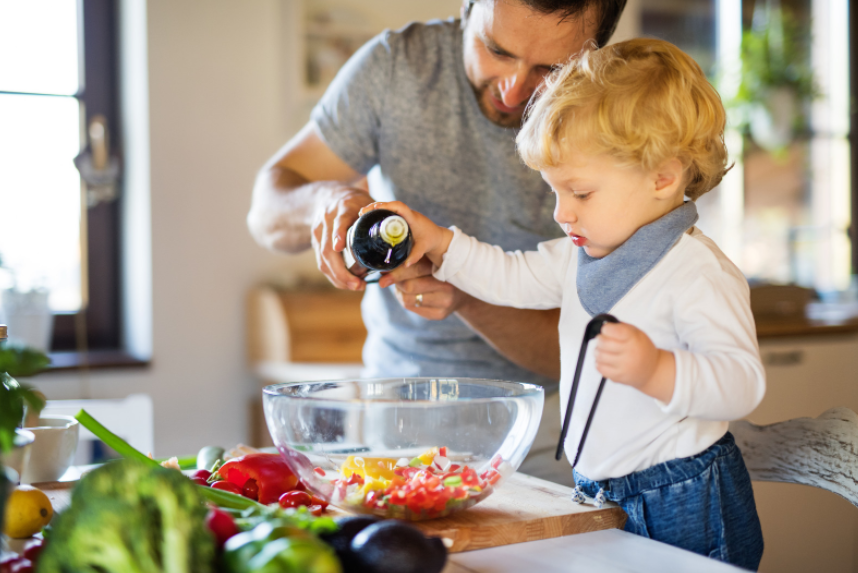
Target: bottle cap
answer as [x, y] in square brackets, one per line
[393, 230]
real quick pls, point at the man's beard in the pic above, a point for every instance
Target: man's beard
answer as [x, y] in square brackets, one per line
[494, 115]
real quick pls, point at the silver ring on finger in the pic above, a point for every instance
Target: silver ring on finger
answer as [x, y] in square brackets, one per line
[418, 300]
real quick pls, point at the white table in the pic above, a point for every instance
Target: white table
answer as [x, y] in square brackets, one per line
[607, 551]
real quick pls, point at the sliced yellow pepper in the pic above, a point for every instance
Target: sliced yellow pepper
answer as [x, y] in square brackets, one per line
[428, 456]
[378, 468]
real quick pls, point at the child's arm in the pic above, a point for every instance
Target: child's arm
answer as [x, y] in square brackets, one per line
[532, 279]
[429, 239]
[625, 354]
[716, 374]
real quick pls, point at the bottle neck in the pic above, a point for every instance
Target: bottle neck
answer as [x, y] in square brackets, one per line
[393, 230]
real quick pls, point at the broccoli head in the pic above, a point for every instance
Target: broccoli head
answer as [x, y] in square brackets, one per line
[130, 517]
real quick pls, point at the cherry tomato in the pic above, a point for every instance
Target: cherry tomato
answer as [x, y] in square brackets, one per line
[203, 474]
[22, 566]
[221, 524]
[33, 548]
[250, 489]
[227, 486]
[200, 481]
[295, 499]
[7, 562]
[316, 510]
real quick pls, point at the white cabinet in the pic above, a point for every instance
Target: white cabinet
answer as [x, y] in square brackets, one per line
[806, 529]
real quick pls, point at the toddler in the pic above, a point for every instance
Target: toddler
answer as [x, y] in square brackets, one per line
[623, 135]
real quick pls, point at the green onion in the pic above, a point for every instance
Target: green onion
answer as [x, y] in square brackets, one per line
[415, 463]
[216, 496]
[453, 481]
[227, 499]
[119, 445]
[185, 462]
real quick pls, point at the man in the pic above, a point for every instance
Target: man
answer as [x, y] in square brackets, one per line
[430, 113]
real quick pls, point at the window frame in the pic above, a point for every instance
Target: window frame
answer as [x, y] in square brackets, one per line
[853, 132]
[98, 326]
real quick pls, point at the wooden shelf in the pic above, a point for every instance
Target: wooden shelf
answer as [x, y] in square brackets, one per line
[803, 327]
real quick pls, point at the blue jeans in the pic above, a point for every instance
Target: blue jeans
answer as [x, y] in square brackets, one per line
[702, 503]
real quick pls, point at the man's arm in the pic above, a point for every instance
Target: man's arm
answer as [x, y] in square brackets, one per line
[526, 337]
[307, 196]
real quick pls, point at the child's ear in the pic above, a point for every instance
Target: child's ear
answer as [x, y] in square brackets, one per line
[670, 179]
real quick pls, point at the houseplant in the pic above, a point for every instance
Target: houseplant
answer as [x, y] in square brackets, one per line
[15, 399]
[777, 81]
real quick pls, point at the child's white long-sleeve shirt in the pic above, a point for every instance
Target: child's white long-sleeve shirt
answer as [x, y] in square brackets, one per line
[694, 302]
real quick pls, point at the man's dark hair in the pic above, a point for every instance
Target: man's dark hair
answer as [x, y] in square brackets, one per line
[609, 12]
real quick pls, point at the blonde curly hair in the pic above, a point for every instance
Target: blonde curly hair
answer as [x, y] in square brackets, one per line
[643, 101]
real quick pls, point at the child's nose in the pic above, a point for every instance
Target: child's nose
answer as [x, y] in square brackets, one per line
[564, 214]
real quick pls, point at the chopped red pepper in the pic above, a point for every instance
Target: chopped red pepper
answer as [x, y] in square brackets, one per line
[250, 489]
[319, 501]
[273, 477]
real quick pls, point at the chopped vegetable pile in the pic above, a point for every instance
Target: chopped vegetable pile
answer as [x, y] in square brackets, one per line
[427, 486]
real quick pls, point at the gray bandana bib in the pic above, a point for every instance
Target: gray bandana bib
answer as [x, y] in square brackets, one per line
[603, 282]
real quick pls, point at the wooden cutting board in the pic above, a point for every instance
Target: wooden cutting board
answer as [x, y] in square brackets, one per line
[524, 508]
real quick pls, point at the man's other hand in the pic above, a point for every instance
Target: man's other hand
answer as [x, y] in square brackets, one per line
[421, 293]
[329, 235]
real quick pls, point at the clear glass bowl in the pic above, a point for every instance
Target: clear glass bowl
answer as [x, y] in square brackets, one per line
[408, 448]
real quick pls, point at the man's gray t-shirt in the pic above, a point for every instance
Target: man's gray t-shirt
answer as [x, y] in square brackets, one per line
[403, 104]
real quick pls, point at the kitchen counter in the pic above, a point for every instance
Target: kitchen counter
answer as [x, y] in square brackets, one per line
[607, 551]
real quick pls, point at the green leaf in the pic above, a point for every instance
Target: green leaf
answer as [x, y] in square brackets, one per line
[22, 361]
[13, 397]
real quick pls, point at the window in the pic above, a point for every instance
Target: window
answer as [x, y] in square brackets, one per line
[783, 214]
[57, 72]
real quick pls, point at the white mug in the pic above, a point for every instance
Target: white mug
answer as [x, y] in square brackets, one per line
[53, 450]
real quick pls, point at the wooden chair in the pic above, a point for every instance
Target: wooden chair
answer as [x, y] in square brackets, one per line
[820, 452]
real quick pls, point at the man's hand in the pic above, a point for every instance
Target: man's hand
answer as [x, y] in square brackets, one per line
[329, 235]
[625, 354]
[418, 291]
[430, 240]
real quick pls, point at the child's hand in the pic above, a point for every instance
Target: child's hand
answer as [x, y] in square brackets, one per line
[625, 354]
[429, 239]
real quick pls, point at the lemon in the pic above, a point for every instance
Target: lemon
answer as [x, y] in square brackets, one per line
[28, 510]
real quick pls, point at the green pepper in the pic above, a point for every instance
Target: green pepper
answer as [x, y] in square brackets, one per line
[272, 547]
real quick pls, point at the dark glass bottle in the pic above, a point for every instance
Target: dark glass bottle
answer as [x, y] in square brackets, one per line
[379, 241]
